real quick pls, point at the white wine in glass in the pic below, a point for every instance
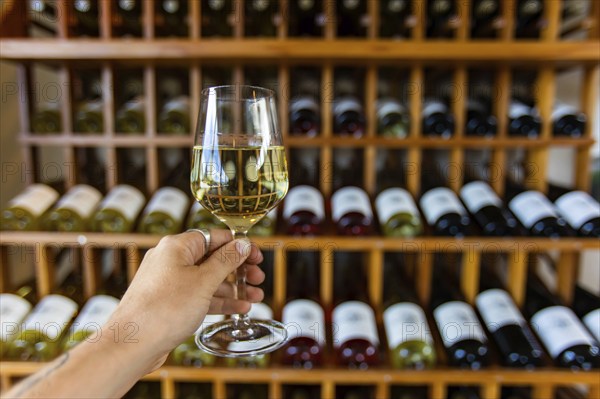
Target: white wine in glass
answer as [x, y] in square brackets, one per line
[239, 173]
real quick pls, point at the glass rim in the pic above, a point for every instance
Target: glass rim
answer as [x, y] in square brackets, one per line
[266, 93]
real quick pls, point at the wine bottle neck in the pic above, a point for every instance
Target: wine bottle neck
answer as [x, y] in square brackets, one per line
[304, 281]
[350, 285]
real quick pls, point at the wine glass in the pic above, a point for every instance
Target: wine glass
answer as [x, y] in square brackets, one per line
[239, 173]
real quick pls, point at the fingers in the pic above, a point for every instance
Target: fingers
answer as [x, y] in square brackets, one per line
[228, 306]
[213, 271]
[226, 290]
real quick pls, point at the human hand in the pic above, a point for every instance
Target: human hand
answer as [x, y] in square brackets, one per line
[177, 285]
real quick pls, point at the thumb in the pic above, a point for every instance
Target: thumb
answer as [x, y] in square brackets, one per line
[223, 262]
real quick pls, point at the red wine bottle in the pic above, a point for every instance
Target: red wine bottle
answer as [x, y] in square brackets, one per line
[507, 326]
[524, 121]
[348, 117]
[566, 339]
[437, 119]
[303, 314]
[355, 337]
[581, 211]
[487, 209]
[303, 211]
[351, 211]
[480, 122]
[567, 121]
[304, 116]
[444, 212]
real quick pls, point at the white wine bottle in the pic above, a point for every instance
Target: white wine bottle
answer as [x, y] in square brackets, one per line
[130, 117]
[47, 118]
[119, 210]
[258, 311]
[200, 218]
[398, 213]
[174, 117]
[74, 210]
[265, 227]
[188, 353]
[27, 210]
[392, 118]
[42, 330]
[93, 316]
[165, 212]
[13, 311]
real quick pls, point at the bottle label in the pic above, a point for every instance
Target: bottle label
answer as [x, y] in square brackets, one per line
[393, 201]
[457, 322]
[404, 322]
[81, 199]
[13, 310]
[51, 316]
[578, 207]
[347, 104]
[35, 199]
[560, 329]
[260, 311]
[497, 309]
[304, 318]
[388, 106]
[179, 103]
[516, 109]
[438, 202]
[125, 199]
[530, 207]
[95, 314]
[592, 322]
[477, 195]
[354, 320]
[350, 199]
[304, 102]
[560, 110]
[169, 200]
[303, 198]
[431, 107]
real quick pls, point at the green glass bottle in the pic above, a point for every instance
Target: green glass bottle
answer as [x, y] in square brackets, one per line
[398, 214]
[165, 212]
[129, 13]
[188, 354]
[86, 13]
[93, 316]
[27, 211]
[130, 117]
[174, 117]
[265, 227]
[408, 334]
[74, 210]
[13, 310]
[119, 210]
[47, 118]
[89, 112]
[200, 218]
[392, 118]
[39, 339]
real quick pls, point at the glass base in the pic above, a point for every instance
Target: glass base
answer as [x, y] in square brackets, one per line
[257, 338]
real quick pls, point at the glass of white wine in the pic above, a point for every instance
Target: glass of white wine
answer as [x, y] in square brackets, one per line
[239, 173]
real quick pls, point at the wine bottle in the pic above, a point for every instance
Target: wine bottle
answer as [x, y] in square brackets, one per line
[174, 117]
[567, 341]
[523, 120]
[393, 119]
[27, 211]
[250, 391]
[536, 213]
[144, 390]
[303, 211]
[347, 167]
[13, 311]
[354, 392]
[351, 18]
[567, 121]
[301, 391]
[487, 209]
[258, 311]
[396, 19]
[485, 16]
[348, 117]
[165, 212]
[47, 118]
[261, 18]
[408, 334]
[86, 14]
[195, 391]
[93, 316]
[581, 211]
[119, 210]
[44, 326]
[515, 392]
[408, 392]
[529, 18]
[43, 15]
[398, 213]
[463, 392]
[587, 306]
[460, 329]
[75, 209]
[479, 120]
[303, 314]
[437, 119]
[88, 116]
[130, 17]
[351, 211]
[171, 18]
[266, 226]
[440, 15]
[188, 354]
[307, 20]
[574, 19]
[355, 337]
[200, 218]
[130, 117]
[508, 328]
[444, 212]
[217, 18]
[304, 116]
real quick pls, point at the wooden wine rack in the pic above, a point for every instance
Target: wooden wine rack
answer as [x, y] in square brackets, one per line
[547, 56]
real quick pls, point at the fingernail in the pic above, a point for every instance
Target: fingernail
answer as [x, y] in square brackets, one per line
[242, 246]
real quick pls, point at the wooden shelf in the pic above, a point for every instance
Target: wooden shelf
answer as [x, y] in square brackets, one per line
[305, 51]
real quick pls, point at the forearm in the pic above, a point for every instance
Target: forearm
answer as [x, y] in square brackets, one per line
[106, 367]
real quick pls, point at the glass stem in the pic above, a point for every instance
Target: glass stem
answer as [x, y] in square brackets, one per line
[241, 321]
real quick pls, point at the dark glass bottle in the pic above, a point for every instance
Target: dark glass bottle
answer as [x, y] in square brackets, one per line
[487, 209]
[440, 15]
[508, 328]
[301, 391]
[460, 329]
[484, 18]
[587, 306]
[516, 393]
[567, 121]
[463, 392]
[307, 18]
[529, 18]
[347, 167]
[348, 117]
[437, 119]
[260, 18]
[217, 18]
[396, 19]
[130, 18]
[581, 211]
[524, 121]
[351, 18]
[86, 13]
[304, 116]
[355, 337]
[567, 341]
[171, 18]
[480, 122]
[351, 211]
[303, 313]
[304, 211]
